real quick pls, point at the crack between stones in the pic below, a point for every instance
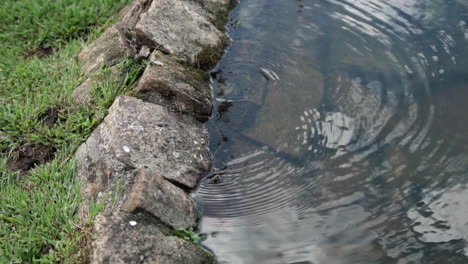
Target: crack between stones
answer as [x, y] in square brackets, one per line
[179, 185]
[153, 219]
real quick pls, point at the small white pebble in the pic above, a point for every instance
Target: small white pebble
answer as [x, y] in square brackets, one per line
[195, 142]
[132, 223]
[159, 63]
[126, 149]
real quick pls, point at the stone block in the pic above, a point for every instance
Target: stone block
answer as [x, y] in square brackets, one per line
[108, 50]
[181, 89]
[152, 194]
[131, 239]
[165, 27]
[136, 134]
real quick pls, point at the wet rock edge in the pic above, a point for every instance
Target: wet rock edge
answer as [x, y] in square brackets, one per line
[138, 166]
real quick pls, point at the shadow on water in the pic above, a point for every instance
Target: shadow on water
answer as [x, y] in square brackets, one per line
[340, 134]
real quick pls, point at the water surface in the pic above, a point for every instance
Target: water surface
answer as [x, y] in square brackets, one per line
[340, 134]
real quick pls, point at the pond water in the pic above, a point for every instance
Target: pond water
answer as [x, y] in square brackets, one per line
[340, 134]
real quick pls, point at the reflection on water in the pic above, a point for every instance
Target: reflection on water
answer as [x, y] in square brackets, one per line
[340, 135]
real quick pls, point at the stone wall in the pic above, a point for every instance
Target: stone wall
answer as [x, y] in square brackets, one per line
[151, 149]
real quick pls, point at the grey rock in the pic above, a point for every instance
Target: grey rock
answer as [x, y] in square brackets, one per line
[132, 239]
[136, 134]
[144, 53]
[131, 14]
[217, 6]
[83, 93]
[219, 9]
[98, 168]
[160, 198]
[179, 88]
[125, 163]
[181, 28]
[147, 152]
[108, 50]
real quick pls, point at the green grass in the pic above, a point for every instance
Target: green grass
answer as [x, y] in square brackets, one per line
[188, 234]
[38, 221]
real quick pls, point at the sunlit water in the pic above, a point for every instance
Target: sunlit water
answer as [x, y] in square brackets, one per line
[340, 134]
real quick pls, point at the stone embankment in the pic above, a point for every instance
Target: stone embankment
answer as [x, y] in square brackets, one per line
[151, 149]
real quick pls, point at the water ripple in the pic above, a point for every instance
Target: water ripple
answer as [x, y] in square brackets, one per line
[340, 135]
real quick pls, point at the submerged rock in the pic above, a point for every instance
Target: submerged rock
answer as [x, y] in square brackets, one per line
[181, 89]
[282, 125]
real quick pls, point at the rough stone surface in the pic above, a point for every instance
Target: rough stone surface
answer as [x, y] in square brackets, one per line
[133, 239]
[124, 164]
[144, 53]
[98, 167]
[217, 6]
[131, 14]
[83, 92]
[164, 26]
[108, 50]
[180, 89]
[152, 194]
[136, 134]
[147, 152]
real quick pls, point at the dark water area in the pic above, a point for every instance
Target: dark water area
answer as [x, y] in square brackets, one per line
[340, 134]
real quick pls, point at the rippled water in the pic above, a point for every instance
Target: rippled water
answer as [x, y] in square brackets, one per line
[341, 134]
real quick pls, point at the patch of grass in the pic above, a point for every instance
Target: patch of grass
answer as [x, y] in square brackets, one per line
[188, 234]
[109, 88]
[38, 72]
[45, 24]
[37, 222]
